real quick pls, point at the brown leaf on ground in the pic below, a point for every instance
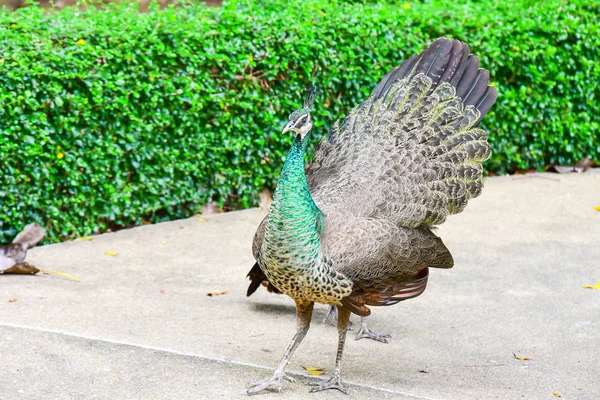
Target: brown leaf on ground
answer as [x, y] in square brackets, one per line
[596, 286]
[315, 371]
[162, 291]
[527, 357]
[217, 293]
[13, 300]
[23, 268]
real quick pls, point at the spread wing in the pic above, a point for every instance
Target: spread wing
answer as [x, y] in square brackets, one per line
[411, 153]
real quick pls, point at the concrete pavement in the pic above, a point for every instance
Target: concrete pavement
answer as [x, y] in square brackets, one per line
[140, 325]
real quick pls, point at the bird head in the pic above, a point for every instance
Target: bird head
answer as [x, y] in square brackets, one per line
[299, 121]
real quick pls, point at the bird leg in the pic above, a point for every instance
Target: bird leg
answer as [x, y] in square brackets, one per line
[335, 382]
[331, 311]
[303, 316]
[365, 332]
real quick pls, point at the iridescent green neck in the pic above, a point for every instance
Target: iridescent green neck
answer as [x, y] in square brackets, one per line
[292, 235]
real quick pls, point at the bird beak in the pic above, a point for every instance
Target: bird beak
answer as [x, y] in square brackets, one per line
[288, 127]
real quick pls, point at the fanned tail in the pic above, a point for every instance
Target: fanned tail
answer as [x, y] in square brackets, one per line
[412, 151]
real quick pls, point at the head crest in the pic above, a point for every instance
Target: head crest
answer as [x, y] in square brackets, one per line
[311, 94]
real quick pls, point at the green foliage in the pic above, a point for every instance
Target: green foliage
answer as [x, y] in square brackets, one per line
[111, 117]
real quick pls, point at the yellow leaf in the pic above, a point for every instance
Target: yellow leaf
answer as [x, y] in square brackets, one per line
[556, 394]
[71, 277]
[86, 238]
[315, 371]
[251, 58]
[597, 208]
[80, 42]
[523, 358]
[596, 286]
[202, 219]
[60, 156]
[109, 253]
[406, 6]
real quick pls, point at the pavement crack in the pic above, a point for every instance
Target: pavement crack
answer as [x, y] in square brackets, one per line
[203, 357]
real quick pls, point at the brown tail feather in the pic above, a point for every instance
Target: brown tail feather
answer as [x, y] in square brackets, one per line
[357, 302]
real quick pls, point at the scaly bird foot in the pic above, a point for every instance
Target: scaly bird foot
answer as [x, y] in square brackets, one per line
[334, 383]
[273, 383]
[365, 333]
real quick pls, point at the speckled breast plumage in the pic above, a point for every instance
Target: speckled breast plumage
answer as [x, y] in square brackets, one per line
[315, 281]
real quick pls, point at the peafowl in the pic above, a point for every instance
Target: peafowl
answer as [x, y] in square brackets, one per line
[257, 278]
[15, 252]
[354, 228]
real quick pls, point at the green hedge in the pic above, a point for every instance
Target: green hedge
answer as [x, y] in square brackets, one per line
[110, 118]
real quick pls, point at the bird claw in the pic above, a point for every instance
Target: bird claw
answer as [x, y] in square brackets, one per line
[334, 383]
[273, 383]
[366, 333]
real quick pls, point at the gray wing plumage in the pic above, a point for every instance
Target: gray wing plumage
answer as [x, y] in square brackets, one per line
[411, 153]
[259, 236]
[16, 252]
[401, 162]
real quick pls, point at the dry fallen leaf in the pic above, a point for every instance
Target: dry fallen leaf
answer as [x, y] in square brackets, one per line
[201, 219]
[556, 394]
[315, 371]
[217, 293]
[13, 300]
[110, 253]
[596, 286]
[162, 291]
[86, 238]
[523, 358]
[597, 208]
[23, 268]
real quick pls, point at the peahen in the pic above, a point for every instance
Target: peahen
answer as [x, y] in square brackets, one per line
[353, 229]
[257, 278]
[15, 252]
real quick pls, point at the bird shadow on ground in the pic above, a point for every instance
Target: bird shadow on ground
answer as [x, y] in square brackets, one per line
[271, 308]
[290, 309]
